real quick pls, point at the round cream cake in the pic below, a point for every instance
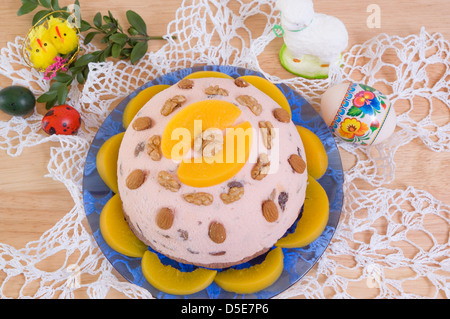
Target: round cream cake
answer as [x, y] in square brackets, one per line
[234, 211]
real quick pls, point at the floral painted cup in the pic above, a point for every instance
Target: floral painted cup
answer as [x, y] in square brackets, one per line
[358, 113]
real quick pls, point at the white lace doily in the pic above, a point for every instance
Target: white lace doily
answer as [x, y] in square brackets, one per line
[206, 32]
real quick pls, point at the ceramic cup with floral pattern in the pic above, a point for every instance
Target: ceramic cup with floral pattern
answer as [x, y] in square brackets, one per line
[358, 113]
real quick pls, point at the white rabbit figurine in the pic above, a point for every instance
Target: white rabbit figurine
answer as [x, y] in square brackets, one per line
[312, 41]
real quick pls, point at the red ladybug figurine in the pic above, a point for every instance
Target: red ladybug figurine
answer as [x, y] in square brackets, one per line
[62, 120]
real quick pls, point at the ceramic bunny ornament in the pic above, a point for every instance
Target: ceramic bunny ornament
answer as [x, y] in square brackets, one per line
[312, 41]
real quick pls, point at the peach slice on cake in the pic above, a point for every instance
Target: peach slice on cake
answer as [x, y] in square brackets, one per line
[268, 88]
[255, 278]
[139, 101]
[173, 281]
[116, 232]
[316, 155]
[207, 74]
[223, 165]
[181, 130]
[313, 219]
[106, 161]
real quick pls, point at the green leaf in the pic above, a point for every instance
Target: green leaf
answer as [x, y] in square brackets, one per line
[119, 38]
[76, 69]
[48, 96]
[89, 37]
[46, 4]
[111, 17]
[63, 91]
[55, 86]
[50, 103]
[98, 20]
[115, 51]
[97, 54]
[132, 42]
[55, 5]
[114, 21]
[30, 1]
[63, 77]
[84, 60]
[109, 28]
[85, 72]
[105, 39]
[137, 22]
[105, 53]
[132, 31]
[367, 88]
[125, 53]
[84, 26]
[80, 78]
[138, 52]
[39, 15]
[26, 7]
[354, 111]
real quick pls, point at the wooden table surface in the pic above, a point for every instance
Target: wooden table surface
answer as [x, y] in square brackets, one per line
[25, 193]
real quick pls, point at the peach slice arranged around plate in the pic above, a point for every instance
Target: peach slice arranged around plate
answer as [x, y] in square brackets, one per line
[173, 281]
[106, 161]
[316, 155]
[207, 74]
[116, 232]
[270, 89]
[255, 278]
[313, 220]
[139, 101]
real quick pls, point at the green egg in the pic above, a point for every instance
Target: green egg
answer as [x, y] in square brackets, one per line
[17, 100]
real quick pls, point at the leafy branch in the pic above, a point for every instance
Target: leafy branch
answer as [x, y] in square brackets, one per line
[131, 44]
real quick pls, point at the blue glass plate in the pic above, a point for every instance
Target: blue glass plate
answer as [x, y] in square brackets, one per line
[297, 261]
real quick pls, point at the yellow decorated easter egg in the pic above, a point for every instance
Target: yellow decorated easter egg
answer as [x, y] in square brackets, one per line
[358, 113]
